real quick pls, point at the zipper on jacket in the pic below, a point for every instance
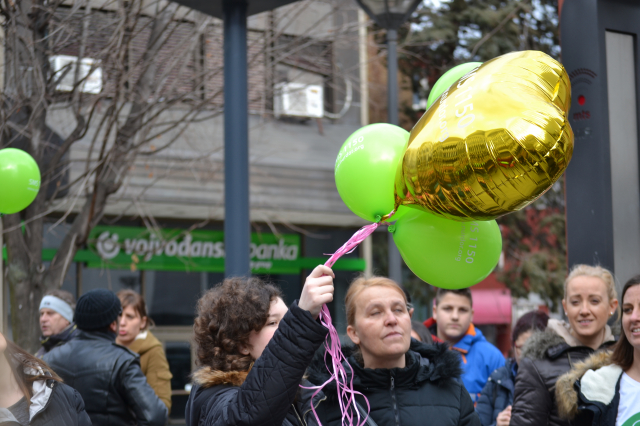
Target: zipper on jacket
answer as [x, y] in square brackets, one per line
[304, 415]
[394, 401]
[295, 410]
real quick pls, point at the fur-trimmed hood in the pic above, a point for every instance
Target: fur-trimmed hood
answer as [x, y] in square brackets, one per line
[541, 341]
[553, 341]
[598, 378]
[207, 377]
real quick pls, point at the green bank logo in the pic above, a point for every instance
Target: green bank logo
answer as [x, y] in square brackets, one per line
[118, 243]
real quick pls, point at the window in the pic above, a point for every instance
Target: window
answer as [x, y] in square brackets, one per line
[172, 296]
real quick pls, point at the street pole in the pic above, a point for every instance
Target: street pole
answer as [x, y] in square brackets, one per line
[392, 73]
[236, 140]
[395, 260]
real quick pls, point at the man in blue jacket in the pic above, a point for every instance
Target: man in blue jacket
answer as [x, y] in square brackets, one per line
[452, 323]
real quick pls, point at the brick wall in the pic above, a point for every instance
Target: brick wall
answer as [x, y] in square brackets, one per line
[187, 65]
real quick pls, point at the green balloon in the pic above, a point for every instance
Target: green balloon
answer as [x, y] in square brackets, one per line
[448, 78]
[19, 180]
[366, 166]
[446, 253]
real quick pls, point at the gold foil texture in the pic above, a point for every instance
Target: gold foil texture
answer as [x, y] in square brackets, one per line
[491, 144]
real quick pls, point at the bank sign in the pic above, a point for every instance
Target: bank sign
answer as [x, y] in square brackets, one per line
[198, 250]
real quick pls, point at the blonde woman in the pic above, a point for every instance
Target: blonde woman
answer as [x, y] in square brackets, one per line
[608, 388]
[589, 301]
[405, 382]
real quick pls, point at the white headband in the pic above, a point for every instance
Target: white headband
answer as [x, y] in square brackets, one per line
[58, 305]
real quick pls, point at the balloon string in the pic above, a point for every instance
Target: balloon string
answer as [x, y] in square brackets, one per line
[344, 384]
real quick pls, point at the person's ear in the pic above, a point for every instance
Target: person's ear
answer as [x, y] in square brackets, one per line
[411, 312]
[564, 306]
[471, 315]
[614, 305]
[115, 326]
[435, 313]
[244, 350]
[353, 335]
[143, 323]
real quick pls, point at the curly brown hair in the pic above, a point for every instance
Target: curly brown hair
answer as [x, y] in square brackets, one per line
[227, 314]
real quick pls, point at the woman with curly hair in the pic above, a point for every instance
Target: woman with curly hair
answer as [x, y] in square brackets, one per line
[252, 351]
[32, 394]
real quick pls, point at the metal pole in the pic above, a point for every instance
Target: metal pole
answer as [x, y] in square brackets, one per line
[392, 80]
[395, 260]
[236, 140]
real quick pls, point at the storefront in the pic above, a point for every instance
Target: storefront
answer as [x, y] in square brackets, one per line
[174, 265]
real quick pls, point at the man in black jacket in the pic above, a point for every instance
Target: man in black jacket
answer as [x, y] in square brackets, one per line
[107, 375]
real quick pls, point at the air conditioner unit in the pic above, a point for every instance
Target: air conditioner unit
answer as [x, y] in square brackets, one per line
[67, 64]
[299, 100]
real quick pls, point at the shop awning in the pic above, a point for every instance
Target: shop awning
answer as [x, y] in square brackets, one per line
[491, 306]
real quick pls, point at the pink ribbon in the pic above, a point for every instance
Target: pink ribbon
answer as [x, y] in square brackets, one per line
[344, 386]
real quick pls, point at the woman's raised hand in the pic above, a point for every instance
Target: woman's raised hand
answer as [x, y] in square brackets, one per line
[318, 290]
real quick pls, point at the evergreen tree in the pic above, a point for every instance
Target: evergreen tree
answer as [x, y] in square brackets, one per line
[445, 34]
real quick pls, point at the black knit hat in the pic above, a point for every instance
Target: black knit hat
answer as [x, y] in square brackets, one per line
[97, 309]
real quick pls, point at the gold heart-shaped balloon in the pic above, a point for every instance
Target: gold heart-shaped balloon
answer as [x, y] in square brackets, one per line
[492, 143]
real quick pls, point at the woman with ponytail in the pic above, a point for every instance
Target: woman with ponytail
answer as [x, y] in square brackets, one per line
[605, 389]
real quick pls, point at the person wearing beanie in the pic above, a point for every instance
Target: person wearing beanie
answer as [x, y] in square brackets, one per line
[56, 320]
[107, 375]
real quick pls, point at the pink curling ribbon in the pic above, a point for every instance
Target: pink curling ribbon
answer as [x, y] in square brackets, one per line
[346, 394]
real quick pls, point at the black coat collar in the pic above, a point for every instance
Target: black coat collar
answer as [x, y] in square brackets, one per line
[424, 362]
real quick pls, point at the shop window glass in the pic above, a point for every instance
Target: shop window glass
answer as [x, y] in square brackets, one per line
[111, 279]
[179, 358]
[172, 296]
[214, 278]
[289, 284]
[490, 332]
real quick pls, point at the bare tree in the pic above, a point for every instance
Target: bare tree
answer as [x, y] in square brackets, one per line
[145, 72]
[126, 72]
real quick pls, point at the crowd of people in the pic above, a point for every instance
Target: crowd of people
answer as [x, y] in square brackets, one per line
[260, 362]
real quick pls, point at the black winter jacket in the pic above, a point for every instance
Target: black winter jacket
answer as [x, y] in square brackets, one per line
[48, 343]
[264, 395]
[109, 379]
[593, 401]
[427, 391]
[545, 357]
[55, 403]
[497, 394]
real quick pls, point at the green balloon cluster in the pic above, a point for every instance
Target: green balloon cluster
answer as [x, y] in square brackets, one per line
[366, 168]
[442, 252]
[446, 253]
[19, 180]
[448, 78]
